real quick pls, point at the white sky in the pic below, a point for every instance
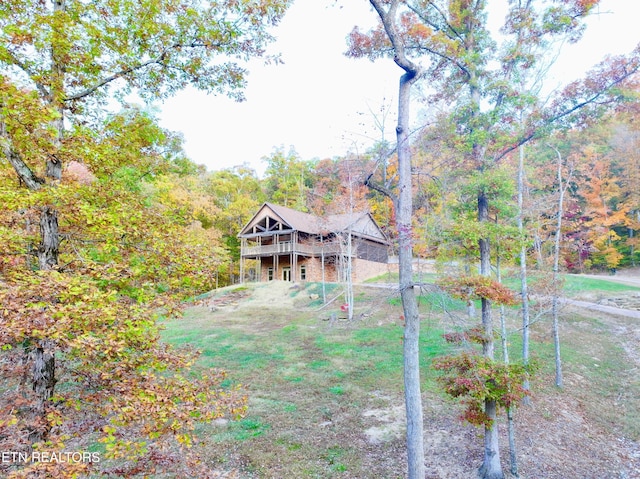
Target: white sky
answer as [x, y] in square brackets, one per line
[324, 104]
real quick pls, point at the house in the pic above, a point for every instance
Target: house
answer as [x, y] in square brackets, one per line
[285, 244]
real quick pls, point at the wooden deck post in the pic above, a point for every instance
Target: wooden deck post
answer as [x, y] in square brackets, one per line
[243, 246]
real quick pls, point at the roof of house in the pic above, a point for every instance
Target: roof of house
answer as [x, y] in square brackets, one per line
[361, 223]
[298, 220]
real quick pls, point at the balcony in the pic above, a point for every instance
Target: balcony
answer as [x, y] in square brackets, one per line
[288, 247]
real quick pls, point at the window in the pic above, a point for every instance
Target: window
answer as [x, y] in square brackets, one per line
[269, 274]
[303, 272]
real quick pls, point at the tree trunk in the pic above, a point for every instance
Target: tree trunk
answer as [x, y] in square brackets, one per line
[43, 355]
[556, 274]
[404, 213]
[54, 163]
[349, 278]
[42, 382]
[632, 252]
[490, 468]
[513, 454]
[44, 366]
[511, 432]
[50, 238]
[54, 168]
[25, 175]
[524, 289]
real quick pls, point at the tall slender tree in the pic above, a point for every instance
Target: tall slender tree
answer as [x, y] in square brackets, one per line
[391, 25]
[562, 188]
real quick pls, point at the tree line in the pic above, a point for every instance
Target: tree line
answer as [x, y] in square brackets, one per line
[601, 217]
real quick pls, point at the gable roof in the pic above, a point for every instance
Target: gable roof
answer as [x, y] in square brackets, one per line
[298, 220]
[361, 223]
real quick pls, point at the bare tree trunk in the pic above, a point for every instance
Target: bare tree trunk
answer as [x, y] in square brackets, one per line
[346, 253]
[54, 163]
[513, 453]
[471, 306]
[490, 468]
[556, 273]
[44, 366]
[324, 284]
[537, 244]
[404, 213]
[556, 336]
[349, 278]
[511, 433]
[43, 355]
[632, 252]
[50, 238]
[42, 382]
[524, 289]
[25, 174]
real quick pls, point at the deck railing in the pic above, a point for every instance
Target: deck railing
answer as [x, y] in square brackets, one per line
[290, 247]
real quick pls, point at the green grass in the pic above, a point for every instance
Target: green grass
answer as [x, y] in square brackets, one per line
[394, 277]
[573, 284]
[308, 382]
[577, 284]
[435, 302]
[301, 374]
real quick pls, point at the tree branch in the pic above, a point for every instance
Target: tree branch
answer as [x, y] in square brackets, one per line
[456, 34]
[39, 86]
[115, 76]
[25, 175]
[380, 189]
[159, 60]
[400, 58]
[626, 70]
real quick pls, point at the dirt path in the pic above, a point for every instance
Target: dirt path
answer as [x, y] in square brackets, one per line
[628, 313]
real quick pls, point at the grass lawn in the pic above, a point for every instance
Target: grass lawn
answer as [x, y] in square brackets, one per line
[312, 385]
[573, 285]
[325, 398]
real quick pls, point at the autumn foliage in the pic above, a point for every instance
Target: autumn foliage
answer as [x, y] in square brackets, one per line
[106, 229]
[474, 379]
[127, 261]
[478, 287]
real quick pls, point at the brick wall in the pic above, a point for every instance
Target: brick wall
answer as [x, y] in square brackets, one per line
[362, 269]
[314, 270]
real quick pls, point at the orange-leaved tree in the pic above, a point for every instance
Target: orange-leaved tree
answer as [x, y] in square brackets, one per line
[89, 260]
[82, 356]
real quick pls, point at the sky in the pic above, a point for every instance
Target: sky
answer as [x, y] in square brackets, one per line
[322, 104]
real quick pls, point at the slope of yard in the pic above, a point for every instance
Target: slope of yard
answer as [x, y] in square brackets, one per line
[325, 395]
